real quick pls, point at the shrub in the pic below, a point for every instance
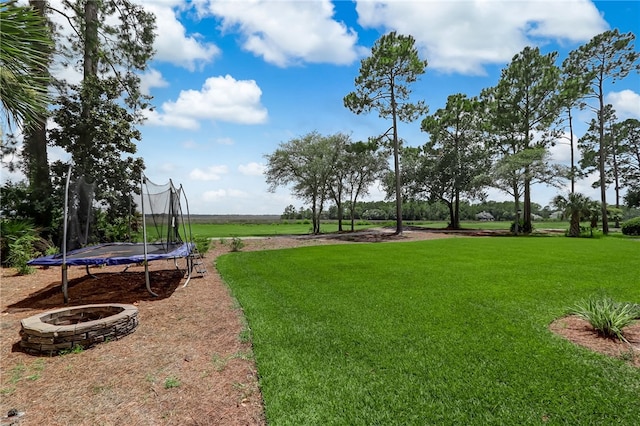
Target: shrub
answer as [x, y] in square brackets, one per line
[631, 226]
[236, 244]
[606, 316]
[21, 251]
[202, 244]
[521, 227]
[20, 243]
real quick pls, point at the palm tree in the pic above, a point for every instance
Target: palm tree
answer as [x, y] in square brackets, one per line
[575, 206]
[24, 93]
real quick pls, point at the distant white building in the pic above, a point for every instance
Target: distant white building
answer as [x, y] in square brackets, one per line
[556, 215]
[485, 216]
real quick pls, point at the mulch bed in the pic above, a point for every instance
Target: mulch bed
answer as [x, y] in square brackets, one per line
[184, 364]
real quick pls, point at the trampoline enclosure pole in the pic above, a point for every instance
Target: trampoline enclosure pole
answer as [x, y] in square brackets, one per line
[65, 280]
[144, 236]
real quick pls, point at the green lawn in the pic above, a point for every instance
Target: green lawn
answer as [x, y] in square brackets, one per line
[443, 332]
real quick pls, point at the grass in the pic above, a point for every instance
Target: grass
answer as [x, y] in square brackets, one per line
[171, 382]
[449, 331]
[228, 230]
[17, 373]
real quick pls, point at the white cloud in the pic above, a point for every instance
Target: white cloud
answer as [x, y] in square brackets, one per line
[167, 167]
[211, 173]
[154, 118]
[463, 36]
[561, 151]
[289, 32]
[225, 141]
[219, 194]
[215, 195]
[190, 144]
[150, 79]
[172, 44]
[252, 169]
[237, 193]
[219, 99]
[626, 104]
[585, 185]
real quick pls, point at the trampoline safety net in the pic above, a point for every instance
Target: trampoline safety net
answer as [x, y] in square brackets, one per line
[166, 230]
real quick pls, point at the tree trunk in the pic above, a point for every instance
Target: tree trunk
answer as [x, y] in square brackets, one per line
[527, 226]
[574, 225]
[352, 212]
[314, 215]
[451, 213]
[616, 177]
[396, 164]
[90, 72]
[573, 167]
[601, 160]
[35, 149]
[456, 211]
[516, 201]
[37, 164]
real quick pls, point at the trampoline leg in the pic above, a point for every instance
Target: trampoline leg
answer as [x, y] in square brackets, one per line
[89, 273]
[65, 283]
[147, 280]
[189, 267]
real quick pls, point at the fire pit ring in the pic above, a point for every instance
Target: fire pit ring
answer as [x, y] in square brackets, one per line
[63, 329]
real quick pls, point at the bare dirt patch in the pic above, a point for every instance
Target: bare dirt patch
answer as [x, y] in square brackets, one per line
[185, 364]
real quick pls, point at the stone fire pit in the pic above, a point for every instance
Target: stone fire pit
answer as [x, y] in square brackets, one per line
[63, 329]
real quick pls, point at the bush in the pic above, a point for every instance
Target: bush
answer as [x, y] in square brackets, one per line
[236, 244]
[21, 251]
[22, 236]
[606, 316]
[202, 244]
[631, 226]
[521, 227]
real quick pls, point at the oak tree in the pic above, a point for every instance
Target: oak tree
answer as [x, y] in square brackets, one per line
[306, 163]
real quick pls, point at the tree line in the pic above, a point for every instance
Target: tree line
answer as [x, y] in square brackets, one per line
[421, 211]
[499, 138]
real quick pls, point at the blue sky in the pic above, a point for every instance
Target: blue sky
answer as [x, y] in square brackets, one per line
[233, 79]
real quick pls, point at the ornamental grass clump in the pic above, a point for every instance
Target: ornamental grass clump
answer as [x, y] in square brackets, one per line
[606, 316]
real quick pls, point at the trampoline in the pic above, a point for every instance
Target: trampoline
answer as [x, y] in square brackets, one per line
[161, 215]
[113, 254]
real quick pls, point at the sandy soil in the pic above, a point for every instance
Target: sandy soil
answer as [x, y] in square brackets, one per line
[185, 364]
